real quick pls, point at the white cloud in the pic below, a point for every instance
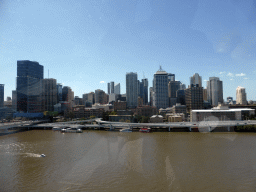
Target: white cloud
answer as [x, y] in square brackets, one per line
[240, 75]
[222, 72]
[230, 74]
[102, 82]
[246, 78]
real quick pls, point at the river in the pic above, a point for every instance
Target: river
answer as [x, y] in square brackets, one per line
[114, 161]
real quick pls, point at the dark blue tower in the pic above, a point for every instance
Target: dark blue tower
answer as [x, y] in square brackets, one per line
[29, 86]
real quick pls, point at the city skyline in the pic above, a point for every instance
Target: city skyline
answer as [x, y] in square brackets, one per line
[109, 39]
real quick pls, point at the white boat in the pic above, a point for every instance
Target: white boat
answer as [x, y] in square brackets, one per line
[72, 130]
[125, 130]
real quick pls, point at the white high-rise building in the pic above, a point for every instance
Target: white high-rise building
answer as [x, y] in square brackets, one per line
[117, 88]
[214, 91]
[132, 90]
[241, 96]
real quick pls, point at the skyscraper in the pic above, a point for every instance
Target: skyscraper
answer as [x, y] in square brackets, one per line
[196, 80]
[59, 92]
[241, 96]
[29, 86]
[145, 90]
[49, 96]
[194, 98]
[14, 100]
[160, 88]
[117, 89]
[108, 88]
[132, 89]
[1, 95]
[100, 97]
[112, 87]
[171, 77]
[68, 96]
[214, 91]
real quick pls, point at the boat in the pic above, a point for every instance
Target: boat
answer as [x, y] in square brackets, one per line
[72, 130]
[126, 130]
[146, 130]
[42, 155]
[57, 128]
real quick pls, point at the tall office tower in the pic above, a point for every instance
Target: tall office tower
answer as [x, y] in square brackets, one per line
[171, 77]
[91, 97]
[68, 96]
[194, 98]
[144, 83]
[205, 95]
[117, 89]
[132, 90]
[1, 95]
[151, 96]
[241, 96]
[85, 100]
[214, 91]
[49, 94]
[181, 97]
[14, 100]
[88, 99]
[29, 86]
[160, 87]
[100, 97]
[139, 86]
[112, 87]
[173, 87]
[108, 88]
[59, 92]
[196, 80]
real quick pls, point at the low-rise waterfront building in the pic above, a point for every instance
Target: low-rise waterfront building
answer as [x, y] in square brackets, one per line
[221, 113]
[156, 119]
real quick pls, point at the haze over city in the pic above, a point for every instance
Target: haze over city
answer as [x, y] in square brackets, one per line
[86, 44]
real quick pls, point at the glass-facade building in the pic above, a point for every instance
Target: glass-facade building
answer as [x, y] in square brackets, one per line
[132, 90]
[29, 86]
[160, 88]
[59, 92]
[1, 95]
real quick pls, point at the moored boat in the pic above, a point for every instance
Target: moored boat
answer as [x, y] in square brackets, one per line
[125, 130]
[146, 130]
[72, 130]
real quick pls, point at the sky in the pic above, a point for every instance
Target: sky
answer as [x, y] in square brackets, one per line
[86, 44]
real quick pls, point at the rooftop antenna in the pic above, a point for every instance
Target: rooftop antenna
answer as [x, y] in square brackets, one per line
[160, 68]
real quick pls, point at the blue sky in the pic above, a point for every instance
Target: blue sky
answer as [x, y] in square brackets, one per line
[86, 44]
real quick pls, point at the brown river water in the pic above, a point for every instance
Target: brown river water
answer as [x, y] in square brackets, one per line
[115, 161]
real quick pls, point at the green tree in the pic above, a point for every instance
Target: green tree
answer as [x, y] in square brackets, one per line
[113, 113]
[144, 119]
